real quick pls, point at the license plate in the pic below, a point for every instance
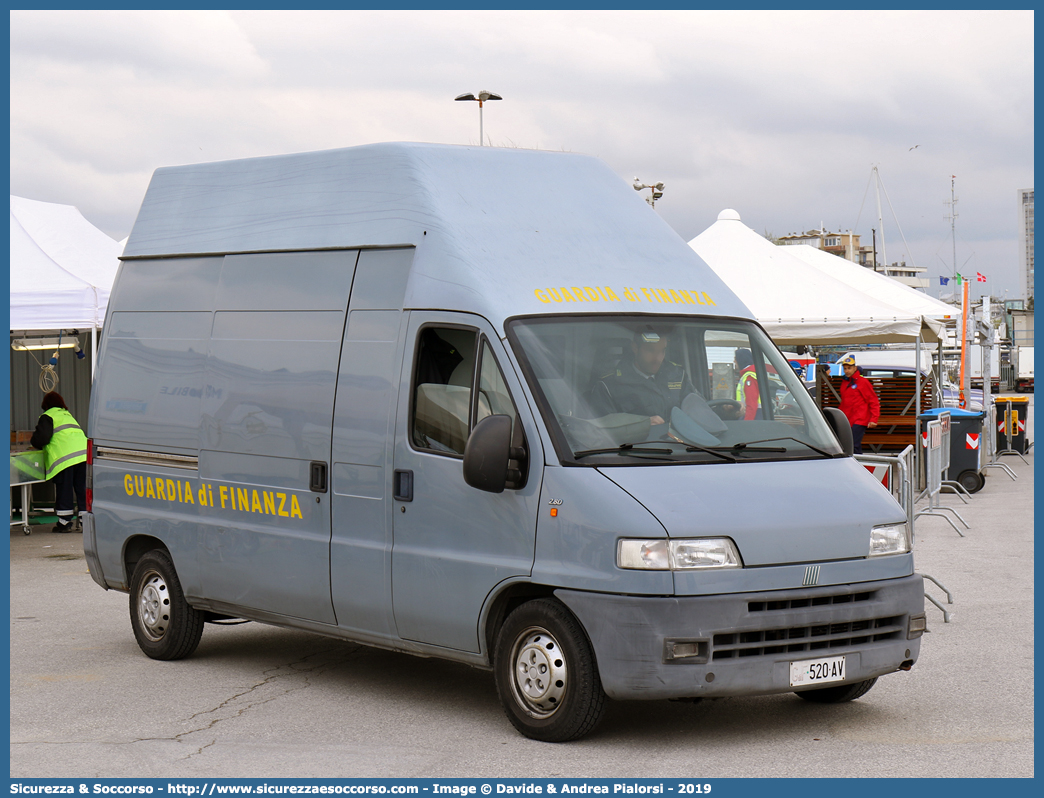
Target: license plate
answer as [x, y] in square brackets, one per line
[817, 671]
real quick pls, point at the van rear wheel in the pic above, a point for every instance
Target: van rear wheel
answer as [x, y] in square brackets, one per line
[546, 674]
[839, 694]
[164, 625]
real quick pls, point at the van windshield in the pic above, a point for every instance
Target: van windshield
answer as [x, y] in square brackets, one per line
[625, 389]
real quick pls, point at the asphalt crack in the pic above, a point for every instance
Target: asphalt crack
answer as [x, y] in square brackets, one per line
[301, 670]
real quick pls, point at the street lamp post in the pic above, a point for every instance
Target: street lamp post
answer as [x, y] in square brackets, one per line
[480, 99]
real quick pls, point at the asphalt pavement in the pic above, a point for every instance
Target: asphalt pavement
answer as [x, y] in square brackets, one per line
[257, 701]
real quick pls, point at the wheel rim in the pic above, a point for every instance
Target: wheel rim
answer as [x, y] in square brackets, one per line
[538, 672]
[154, 606]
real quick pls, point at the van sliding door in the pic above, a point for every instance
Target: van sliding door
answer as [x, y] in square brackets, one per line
[268, 399]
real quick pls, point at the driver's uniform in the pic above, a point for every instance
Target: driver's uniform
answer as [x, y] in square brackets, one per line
[628, 390]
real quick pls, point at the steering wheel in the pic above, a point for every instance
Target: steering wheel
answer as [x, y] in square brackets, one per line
[726, 409]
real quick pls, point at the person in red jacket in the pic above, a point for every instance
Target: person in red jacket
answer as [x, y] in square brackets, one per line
[858, 401]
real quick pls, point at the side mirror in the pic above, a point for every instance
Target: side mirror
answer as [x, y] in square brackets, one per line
[487, 453]
[838, 422]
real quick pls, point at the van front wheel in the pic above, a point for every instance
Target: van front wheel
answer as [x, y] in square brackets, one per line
[165, 626]
[546, 674]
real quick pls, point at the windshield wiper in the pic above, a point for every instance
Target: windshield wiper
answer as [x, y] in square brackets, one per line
[745, 444]
[693, 447]
[624, 449]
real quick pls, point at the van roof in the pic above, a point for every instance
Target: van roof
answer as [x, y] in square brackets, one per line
[497, 231]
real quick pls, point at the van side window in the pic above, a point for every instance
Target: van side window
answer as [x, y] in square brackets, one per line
[442, 389]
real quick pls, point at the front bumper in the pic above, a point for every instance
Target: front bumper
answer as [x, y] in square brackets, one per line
[743, 644]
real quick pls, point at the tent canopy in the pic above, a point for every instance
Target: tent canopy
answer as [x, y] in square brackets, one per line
[798, 303]
[62, 267]
[874, 284]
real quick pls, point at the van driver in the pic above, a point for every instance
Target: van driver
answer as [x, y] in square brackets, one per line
[645, 383]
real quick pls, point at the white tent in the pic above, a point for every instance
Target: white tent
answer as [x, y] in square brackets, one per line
[798, 303]
[62, 267]
[874, 284]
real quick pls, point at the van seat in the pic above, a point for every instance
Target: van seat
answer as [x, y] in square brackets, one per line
[441, 414]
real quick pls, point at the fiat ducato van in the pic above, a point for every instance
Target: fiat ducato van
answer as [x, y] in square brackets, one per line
[481, 404]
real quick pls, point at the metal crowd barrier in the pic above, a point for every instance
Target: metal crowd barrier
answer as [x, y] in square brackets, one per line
[991, 455]
[1007, 378]
[898, 478]
[896, 473]
[934, 467]
[958, 488]
[947, 483]
[949, 597]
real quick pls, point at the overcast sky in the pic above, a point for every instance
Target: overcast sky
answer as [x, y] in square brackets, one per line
[779, 115]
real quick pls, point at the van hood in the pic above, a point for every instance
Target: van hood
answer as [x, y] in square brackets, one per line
[777, 513]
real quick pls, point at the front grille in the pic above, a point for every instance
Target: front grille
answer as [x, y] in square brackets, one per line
[798, 639]
[816, 601]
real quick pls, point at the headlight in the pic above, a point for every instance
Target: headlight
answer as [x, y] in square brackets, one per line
[891, 539]
[678, 555]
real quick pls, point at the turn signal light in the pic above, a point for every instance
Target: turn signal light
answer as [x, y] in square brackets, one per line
[918, 626]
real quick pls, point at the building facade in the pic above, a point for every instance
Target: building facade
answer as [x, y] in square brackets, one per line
[1026, 242]
[847, 246]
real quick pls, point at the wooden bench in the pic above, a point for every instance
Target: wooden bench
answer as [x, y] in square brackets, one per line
[897, 425]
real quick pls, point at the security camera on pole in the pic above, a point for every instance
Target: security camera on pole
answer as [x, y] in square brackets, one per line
[480, 99]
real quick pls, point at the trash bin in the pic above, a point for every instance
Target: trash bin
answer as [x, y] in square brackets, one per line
[965, 437]
[1012, 415]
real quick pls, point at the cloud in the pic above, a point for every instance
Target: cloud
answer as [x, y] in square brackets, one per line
[780, 114]
[179, 46]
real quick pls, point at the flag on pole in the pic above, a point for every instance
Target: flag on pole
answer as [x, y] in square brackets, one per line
[944, 281]
[980, 277]
[960, 279]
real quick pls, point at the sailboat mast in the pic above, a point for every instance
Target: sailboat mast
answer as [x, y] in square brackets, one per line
[880, 219]
[953, 225]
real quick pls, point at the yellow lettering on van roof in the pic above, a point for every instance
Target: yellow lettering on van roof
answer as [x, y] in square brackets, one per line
[606, 293]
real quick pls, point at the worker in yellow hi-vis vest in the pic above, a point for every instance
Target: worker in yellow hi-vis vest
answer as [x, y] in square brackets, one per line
[65, 459]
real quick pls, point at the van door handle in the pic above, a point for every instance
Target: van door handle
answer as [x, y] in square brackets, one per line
[317, 477]
[402, 489]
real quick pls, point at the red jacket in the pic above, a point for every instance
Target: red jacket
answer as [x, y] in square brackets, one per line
[858, 400]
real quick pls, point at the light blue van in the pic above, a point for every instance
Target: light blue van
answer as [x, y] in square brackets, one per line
[480, 404]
